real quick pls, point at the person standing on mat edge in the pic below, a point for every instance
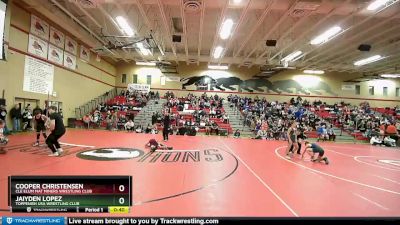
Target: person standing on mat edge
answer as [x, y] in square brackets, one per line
[57, 131]
[292, 139]
[311, 149]
[166, 123]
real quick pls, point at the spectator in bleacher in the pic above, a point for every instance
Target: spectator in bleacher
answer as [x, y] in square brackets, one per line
[261, 134]
[331, 133]
[362, 126]
[86, 120]
[236, 134]
[129, 126]
[153, 118]
[322, 133]
[212, 112]
[375, 140]
[148, 129]
[391, 131]
[139, 129]
[398, 126]
[121, 122]
[214, 128]
[225, 118]
[218, 113]
[389, 142]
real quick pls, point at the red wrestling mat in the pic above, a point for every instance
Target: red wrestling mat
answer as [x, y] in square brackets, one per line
[215, 176]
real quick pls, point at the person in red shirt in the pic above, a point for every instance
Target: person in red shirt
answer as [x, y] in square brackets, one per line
[391, 131]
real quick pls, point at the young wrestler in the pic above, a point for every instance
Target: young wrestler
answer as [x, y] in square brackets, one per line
[39, 124]
[154, 145]
[292, 139]
[300, 137]
[311, 149]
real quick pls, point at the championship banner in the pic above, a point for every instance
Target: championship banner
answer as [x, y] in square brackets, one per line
[69, 61]
[84, 54]
[39, 27]
[55, 55]
[162, 80]
[70, 45]
[173, 78]
[37, 46]
[348, 87]
[139, 87]
[56, 37]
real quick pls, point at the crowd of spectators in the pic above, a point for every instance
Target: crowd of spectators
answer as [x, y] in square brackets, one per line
[191, 114]
[22, 118]
[119, 113]
[268, 120]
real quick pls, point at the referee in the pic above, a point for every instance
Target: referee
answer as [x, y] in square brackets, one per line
[57, 131]
[166, 123]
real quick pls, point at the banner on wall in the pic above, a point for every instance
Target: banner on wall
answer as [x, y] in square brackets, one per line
[162, 80]
[57, 38]
[70, 45]
[55, 54]
[38, 76]
[173, 79]
[37, 46]
[3, 9]
[69, 61]
[139, 87]
[348, 87]
[39, 27]
[84, 54]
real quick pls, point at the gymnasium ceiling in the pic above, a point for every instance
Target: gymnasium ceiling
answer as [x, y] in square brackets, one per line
[293, 23]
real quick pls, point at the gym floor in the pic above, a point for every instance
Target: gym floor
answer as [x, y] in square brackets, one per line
[219, 176]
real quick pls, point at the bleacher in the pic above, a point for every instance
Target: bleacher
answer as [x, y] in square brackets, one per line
[386, 111]
[190, 117]
[116, 101]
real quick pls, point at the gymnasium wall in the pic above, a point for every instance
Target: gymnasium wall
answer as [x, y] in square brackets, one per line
[287, 84]
[73, 87]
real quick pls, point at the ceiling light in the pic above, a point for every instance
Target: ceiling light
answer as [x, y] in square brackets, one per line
[237, 1]
[142, 49]
[368, 60]
[326, 36]
[314, 72]
[390, 75]
[226, 29]
[377, 4]
[216, 67]
[124, 25]
[292, 56]
[218, 52]
[145, 63]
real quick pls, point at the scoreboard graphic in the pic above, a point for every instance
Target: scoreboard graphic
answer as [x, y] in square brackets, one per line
[62, 194]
